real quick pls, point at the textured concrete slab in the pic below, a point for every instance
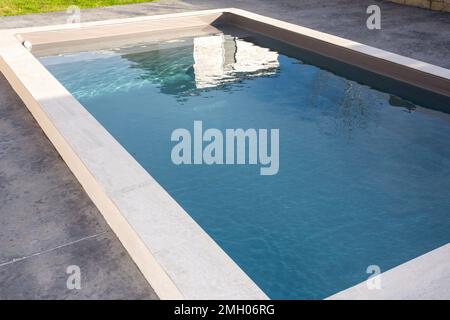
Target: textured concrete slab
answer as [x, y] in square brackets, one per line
[153, 228]
[47, 222]
[409, 31]
[413, 32]
[106, 272]
[97, 14]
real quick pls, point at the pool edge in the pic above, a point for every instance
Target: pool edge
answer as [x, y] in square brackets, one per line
[203, 269]
[12, 54]
[423, 277]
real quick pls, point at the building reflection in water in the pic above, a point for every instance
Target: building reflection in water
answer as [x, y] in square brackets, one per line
[195, 65]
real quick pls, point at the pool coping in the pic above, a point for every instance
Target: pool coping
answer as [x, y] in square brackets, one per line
[176, 256]
[425, 277]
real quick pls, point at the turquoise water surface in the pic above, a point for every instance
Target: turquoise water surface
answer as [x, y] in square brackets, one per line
[364, 176]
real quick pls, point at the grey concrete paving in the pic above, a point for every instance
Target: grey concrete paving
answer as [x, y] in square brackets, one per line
[414, 32]
[46, 220]
[48, 223]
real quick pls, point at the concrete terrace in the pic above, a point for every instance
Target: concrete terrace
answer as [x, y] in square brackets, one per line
[413, 32]
[48, 222]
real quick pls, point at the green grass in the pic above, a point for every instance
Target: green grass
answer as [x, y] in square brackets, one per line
[16, 7]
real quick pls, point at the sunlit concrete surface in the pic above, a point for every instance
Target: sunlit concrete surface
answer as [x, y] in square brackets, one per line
[413, 32]
[48, 223]
[172, 251]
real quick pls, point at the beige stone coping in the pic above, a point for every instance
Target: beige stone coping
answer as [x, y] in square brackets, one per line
[173, 252]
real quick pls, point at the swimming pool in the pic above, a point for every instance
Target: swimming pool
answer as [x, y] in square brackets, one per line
[363, 174]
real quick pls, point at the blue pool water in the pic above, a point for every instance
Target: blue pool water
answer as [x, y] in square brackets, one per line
[364, 176]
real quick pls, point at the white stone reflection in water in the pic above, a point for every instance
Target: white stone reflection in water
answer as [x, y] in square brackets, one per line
[221, 58]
